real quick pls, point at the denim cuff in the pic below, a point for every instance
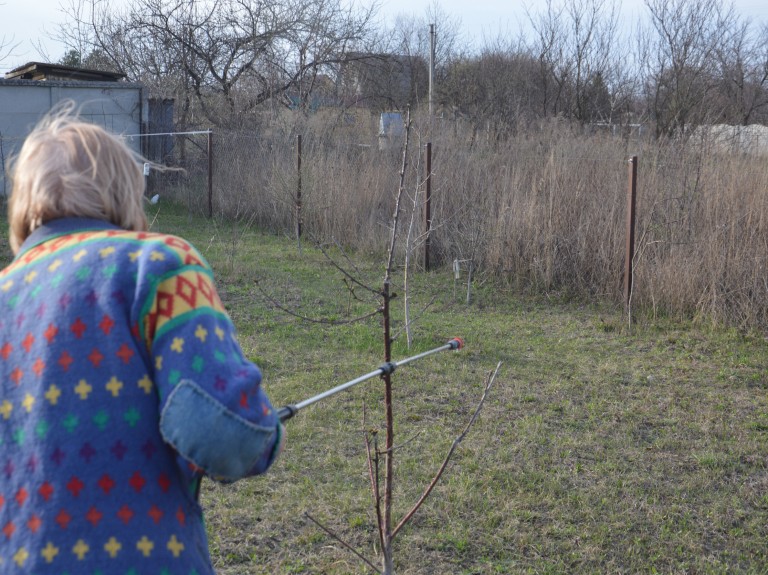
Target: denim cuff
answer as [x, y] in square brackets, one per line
[205, 432]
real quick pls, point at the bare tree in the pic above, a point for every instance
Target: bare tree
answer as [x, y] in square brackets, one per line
[575, 45]
[742, 59]
[593, 25]
[548, 46]
[620, 87]
[7, 45]
[410, 36]
[76, 34]
[382, 80]
[225, 57]
[678, 54]
[571, 66]
[495, 90]
[382, 487]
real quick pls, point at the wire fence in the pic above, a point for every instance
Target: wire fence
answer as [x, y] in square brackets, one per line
[543, 211]
[179, 167]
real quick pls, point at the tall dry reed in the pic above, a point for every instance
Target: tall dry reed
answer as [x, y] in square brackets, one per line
[543, 210]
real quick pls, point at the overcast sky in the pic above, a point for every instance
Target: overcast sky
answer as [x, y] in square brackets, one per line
[29, 22]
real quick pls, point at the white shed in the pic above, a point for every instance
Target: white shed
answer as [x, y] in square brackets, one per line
[120, 107]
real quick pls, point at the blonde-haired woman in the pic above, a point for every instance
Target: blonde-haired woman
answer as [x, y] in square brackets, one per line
[123, 381]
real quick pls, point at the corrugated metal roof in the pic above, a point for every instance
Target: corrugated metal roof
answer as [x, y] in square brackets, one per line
[43, 71]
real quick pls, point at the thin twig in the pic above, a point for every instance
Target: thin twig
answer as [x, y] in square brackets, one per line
[340, 540]
[456, 442]
[349, 276]
[400, 191]
[373, 473]
[351, 291]
[403, 444]
[417, 318]
[282, 308]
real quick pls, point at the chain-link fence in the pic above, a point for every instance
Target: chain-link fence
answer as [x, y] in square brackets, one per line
[179, 167]
[545, 210]
[342, 190]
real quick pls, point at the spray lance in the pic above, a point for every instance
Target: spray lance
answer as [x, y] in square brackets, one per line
[288, 411]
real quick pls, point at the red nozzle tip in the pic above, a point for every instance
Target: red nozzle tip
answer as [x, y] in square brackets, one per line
[457, 342]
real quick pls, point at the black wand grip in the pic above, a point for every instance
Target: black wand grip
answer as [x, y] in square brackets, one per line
[287, 412]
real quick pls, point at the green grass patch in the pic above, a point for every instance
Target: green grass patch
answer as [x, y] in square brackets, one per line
[602, 449]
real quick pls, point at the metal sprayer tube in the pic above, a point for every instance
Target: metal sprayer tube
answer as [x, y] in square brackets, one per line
[338, 388]
[288, 411]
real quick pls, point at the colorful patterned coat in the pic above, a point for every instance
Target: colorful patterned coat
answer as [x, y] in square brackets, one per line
[122, 384]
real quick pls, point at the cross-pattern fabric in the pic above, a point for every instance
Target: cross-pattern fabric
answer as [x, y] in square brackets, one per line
[97, 327]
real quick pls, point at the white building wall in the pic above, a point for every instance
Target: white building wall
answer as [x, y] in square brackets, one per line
[119, 107]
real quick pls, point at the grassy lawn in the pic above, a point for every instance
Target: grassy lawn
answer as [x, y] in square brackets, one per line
[600, 449]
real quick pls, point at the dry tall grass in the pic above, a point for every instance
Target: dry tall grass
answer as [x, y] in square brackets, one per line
[543, 210]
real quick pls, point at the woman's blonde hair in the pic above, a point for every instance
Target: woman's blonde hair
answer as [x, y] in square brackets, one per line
[71, 168]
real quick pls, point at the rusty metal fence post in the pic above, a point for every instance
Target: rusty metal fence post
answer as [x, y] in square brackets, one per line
[210, 174]
[298, 188]
[428, 208]
[630, 247]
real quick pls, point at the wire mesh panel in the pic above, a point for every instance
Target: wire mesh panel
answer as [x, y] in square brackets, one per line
[254, 179]
[346, 184]
[179, 167]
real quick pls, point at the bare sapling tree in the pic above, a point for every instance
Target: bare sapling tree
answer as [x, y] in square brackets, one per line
[381, 462]
[383, 489]
[383, 498]
[415, 236]
[380, 459]
[409, 246]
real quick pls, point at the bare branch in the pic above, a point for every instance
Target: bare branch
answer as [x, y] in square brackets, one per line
[488, 383]
[346, 545]
[373, 473]
[403, 444]
[410, 322]
[282, 308]
[349, 276]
